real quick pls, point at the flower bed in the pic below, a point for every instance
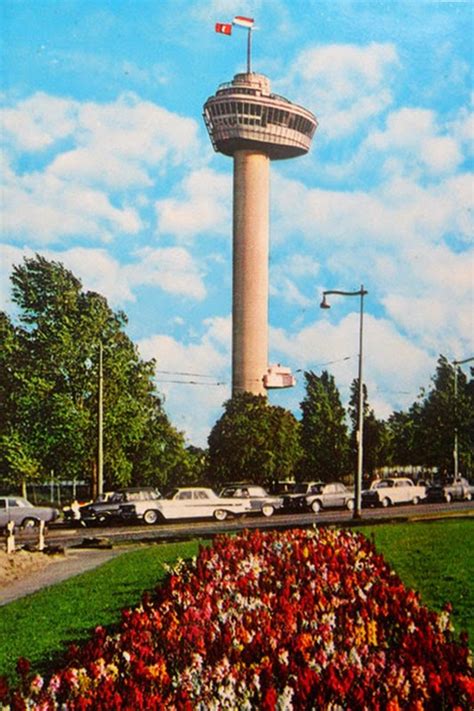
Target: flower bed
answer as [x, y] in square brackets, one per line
[293, 620]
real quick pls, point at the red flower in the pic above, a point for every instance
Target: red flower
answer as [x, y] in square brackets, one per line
[270, 699]
[4, 688]
[23, 666]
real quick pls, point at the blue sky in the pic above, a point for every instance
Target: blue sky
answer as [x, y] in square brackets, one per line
[108, 168]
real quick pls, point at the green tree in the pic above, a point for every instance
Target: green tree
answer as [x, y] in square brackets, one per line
[18, 465]
[53, 357]
[324, 436]
[440, 413]
[253, 441]
[375, 434]
[403, 430]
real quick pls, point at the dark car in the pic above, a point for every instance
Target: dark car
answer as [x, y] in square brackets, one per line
[106, 511]
[296, 499]
[458, 489]
[330, 496]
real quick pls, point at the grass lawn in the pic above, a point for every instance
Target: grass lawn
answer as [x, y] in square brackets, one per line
[41, 625]
[435, 558]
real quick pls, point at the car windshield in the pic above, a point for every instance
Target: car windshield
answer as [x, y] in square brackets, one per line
[116, 498]
[300, 488]
[17, 501]
[236, 492]
[383, 484]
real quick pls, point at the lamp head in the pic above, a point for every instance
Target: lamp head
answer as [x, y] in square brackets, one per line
[324, 304]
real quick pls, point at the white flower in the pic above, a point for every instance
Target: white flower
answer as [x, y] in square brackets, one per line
[284, 701]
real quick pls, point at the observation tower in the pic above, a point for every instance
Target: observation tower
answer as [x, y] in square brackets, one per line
[250, 124]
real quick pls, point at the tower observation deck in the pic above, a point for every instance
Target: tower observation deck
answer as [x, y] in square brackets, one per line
[244, 114]
[253, 126]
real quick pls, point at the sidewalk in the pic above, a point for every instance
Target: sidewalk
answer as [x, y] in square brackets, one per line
[73, 562]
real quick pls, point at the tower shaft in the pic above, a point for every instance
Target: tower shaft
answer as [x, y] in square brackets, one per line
[248, 122]
[250, 271]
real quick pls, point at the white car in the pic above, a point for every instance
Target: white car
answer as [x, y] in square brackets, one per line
[260, 500]
[385, 492]
[183, 503]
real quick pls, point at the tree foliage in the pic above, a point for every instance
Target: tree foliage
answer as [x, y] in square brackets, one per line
[253, 441]
[49, 387]
[324, 437]
[375, 436]
[445, 407]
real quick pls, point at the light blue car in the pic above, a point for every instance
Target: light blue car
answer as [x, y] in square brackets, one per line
[22, 513]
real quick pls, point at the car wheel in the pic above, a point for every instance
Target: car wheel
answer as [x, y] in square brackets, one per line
[416, 501]
[448, 498]
[220, 515]
[267, 510]
[350, 505]
[29, 523]
[151, 517]
[316, 506]
[385, 502]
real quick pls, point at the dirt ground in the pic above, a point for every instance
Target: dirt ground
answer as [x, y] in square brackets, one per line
[17, 565]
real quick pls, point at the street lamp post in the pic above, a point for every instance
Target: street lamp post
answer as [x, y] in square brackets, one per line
[456, 363]
[100, 424]
[360, 426]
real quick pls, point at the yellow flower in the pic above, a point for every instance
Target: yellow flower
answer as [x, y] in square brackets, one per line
[372, 633]
[112, 671]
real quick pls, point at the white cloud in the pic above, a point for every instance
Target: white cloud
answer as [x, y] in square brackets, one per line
[463, 129]
[394, 367]
[95, 153]
[39, 121]
[203, 205]
[413, 142]
[172, 269]
[194, 404]
[395, 213]
[344, 85]
[127, 138]
[285, 276]
[45, 208]
[433, 298]
[409, 245]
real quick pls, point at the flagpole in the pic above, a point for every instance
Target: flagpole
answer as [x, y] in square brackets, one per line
[249, 44]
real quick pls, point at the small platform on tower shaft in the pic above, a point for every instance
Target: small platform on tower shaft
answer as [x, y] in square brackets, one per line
[245, 115]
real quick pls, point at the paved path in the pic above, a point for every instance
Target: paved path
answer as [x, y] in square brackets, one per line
[73, 562]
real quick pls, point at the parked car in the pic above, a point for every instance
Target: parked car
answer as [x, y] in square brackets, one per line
[328, 496]
[295, 500]
[459, 489]
[106, 509]
[260, 500]
[72, 511]
[282, 486]
[22, 513]
[386, 492]
[184, 503]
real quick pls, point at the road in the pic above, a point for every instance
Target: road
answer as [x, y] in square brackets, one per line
[61, 535]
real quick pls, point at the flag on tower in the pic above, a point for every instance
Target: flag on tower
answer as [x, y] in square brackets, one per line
[247, 22]
[224, 28]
